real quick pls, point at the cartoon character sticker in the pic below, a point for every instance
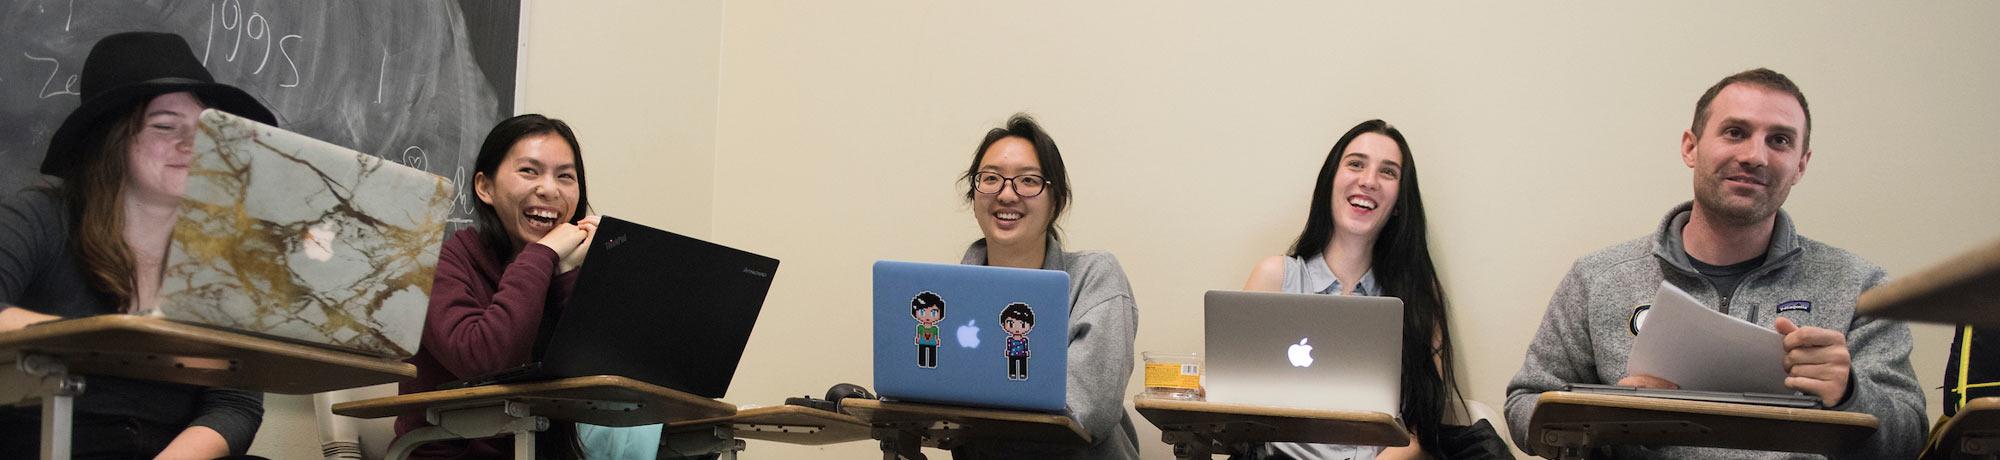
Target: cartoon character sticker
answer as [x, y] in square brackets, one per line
[928, 309]
[1016, 320]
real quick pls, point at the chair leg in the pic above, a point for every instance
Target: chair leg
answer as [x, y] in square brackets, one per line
[484, 419]
[408, 442]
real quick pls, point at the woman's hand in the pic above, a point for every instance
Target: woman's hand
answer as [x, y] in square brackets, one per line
[571, 242]
[1413, 451]
[15, 318]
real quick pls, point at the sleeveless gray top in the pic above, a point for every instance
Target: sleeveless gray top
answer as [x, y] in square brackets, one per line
[1312, 276]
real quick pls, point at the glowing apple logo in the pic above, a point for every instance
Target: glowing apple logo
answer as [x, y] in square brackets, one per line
[1301, 354]
[968, 335]
[318, 243]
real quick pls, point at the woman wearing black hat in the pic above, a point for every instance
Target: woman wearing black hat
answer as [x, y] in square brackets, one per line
[96, 244]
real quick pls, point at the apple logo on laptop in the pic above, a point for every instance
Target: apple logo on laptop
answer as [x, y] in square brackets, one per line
[968, 335]
[318, 244]
[1300, 354]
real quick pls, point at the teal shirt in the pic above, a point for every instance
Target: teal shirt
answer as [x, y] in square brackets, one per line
[927, 335]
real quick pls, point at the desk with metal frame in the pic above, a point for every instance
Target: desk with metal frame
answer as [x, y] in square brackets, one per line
[49, 364]
[784, 423]
[1973, 433]
[1199, 430]
[521, 410]
[1567, 425]
[903, 428]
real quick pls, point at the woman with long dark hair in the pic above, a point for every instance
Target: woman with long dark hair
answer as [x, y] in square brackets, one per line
[1365, 235]
[501, 282]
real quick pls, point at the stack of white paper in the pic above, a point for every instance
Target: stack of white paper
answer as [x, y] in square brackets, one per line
[1702, 349]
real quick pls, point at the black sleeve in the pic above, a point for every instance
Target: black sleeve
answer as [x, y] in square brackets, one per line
[235, 414]
[26, 220]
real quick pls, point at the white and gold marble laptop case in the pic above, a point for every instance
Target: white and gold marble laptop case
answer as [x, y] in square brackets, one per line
[285, 235]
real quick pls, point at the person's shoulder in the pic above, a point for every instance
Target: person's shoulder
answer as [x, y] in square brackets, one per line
[1827, 257]
[1269, 273]
[38, 197]
[1615, 256]
[1096, 272]
[1093, 261]
[463, 247]
[1272, 266]
[462, 240]
[42, 205]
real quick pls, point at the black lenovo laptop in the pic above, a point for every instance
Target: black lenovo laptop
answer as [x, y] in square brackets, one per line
[652, 306]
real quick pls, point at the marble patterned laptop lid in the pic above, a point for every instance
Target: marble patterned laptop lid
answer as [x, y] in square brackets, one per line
[284, 235]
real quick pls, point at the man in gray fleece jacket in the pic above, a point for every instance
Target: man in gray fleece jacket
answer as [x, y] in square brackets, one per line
[1734, 249]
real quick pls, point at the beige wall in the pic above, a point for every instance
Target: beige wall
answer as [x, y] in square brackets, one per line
[636, 80]
[1193, 131]
[828, 135]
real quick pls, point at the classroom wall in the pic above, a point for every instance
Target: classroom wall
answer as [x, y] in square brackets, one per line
[830, 134]
[636, 80]
[1193, 131]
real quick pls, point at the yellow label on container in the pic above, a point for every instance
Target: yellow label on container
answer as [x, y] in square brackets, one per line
[1173, 375]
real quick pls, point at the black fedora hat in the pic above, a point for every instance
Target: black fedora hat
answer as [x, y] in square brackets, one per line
[131, 68]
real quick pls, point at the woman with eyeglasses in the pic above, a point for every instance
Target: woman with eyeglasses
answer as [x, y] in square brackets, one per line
[1365, 235]
[1019, 189]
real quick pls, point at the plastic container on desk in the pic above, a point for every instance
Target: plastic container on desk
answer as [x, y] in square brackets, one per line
[1175, 376]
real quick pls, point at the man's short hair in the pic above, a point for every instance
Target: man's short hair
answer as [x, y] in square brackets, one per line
[1761, 77]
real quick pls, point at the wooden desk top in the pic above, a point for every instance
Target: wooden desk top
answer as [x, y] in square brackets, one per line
[1230, 424]
[1980, 417]
[606, 400]
[146, 348]
[972, 423]
[1963, 289]
[787, 424]
[1628, 420]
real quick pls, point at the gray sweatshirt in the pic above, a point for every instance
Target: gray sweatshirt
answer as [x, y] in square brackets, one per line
[1103, 321]
[1586, 334]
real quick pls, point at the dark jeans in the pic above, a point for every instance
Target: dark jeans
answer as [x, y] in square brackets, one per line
[926, 355]
[91, 437]
[1017, 367]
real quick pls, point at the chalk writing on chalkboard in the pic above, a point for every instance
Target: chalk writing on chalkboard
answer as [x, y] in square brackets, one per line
[418, 83]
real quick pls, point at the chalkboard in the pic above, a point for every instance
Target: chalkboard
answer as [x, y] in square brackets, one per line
[415, 82]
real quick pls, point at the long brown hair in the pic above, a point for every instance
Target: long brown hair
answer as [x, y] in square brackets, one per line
[93, 195]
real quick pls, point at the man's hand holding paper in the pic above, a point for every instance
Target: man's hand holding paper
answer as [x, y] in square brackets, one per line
[1816, 361]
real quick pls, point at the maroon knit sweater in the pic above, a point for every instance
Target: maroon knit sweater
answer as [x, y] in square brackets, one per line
[484, 313]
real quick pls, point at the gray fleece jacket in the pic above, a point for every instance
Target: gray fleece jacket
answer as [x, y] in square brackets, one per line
[1103, 321]
[1586, 334]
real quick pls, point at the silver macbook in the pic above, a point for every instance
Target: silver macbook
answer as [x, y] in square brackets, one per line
[287, 236]
[1307, 351]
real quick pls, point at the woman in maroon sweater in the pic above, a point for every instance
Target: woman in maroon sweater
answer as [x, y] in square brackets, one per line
[499, 282]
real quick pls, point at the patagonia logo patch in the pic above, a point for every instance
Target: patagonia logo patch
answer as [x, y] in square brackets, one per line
[1795, 305]
[1639, 317]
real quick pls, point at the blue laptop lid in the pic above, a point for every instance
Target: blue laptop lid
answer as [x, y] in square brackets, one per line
[971, 335]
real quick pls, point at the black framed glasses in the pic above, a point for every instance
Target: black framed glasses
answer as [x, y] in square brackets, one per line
[1025, 185]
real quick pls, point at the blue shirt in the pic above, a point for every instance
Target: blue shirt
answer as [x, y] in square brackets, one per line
[1017, 347]
[1313, 276]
